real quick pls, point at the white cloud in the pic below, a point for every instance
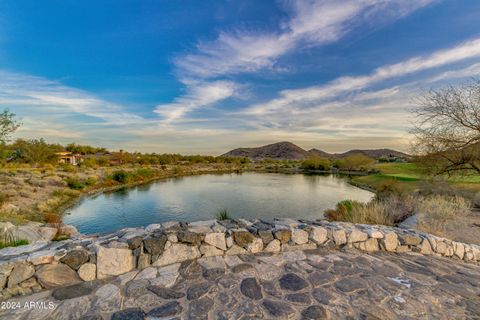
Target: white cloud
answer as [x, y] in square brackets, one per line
[198, 95]
[44, 95]
[310, 23]
[296, 98]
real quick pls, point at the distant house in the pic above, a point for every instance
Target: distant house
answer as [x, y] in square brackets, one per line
[68, 157]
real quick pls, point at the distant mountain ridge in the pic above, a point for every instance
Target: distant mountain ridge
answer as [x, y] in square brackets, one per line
[288, 151]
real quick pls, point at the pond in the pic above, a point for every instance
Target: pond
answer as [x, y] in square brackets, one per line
[245, 195]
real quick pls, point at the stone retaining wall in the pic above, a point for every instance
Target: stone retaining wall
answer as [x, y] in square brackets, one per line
[46, 265]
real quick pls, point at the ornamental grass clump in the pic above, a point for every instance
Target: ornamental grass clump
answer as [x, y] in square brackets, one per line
[374, 212]
[223, 214]
[438, 212]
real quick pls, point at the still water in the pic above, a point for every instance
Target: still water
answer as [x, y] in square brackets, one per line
[245, 195]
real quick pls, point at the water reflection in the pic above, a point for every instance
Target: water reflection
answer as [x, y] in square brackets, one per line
[246, 195]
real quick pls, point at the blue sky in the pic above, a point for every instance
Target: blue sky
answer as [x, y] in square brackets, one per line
[208, 76]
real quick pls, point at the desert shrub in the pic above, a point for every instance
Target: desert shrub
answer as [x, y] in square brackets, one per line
[91, 181]
[400, 207]
[388, 188]
[144, 173]
[374, 212]
[223, 214]
[68, 167]
[316, 163]
[437, 187]
[356, 162]
[74, 183]
[438, 211]
[121, 176]
[52, 218]
[177, 170]
[343, 211]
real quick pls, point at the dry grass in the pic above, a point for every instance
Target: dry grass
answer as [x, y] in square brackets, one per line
[439, 212]
[374, 212]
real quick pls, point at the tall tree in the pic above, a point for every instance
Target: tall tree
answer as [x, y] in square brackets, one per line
[447, 131]
[8, 125]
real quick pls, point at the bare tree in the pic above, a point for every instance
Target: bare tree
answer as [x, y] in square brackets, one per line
[447, 131]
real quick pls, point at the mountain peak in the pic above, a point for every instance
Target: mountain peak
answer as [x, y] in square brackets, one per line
[286, 150]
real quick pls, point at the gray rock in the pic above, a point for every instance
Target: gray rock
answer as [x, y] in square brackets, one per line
[74, 291]
[166, 293]
[20, 272]
[292, 282]
[135, 242]
[166, 310]
[154, 245]
[302, 298]
[350, 284]
[198, 290]
[190, 237]
[265, 235]
[314, 313]
[191, 269]
[250, 288]
[108, 298]
[278, 308]
[198, 309]
[75, 258]
[129, 314]
[136, 288]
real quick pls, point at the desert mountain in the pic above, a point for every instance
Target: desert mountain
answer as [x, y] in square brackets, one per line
[289, 151]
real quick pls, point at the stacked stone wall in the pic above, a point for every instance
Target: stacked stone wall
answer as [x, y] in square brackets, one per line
[39, 266]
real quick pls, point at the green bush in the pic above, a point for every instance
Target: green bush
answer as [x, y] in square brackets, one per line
[121, 176]
[144, 173]
[75, 184]
[91, 181]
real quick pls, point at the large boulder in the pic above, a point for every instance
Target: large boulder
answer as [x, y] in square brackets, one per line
[190, 237]
[75, 258]
[20, 272]
[114, 261]
[56, 275]
[177, 252]
[216, 239]
[243, 238]
[154, 245]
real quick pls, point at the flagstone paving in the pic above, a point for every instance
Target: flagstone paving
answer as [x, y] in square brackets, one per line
[311, 284]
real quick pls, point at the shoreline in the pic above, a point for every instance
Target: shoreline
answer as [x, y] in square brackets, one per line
[64, 207]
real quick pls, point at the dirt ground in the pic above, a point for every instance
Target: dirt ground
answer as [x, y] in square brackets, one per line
[466, 229]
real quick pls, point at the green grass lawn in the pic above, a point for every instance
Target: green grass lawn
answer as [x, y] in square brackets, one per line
[408, 176]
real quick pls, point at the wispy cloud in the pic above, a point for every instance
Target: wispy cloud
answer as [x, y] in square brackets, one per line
[46, 95]
[297, 98]
[198, 95]
[311, 23]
